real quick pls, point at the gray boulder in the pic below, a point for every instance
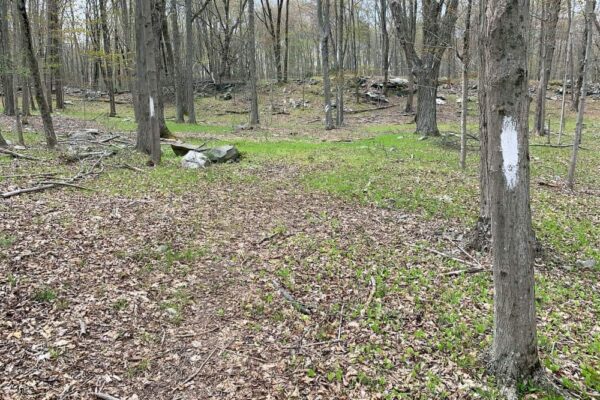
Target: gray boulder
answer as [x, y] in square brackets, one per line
[223, 154]
[194, 160]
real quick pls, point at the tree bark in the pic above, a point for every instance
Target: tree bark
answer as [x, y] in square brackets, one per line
[108, 59]
[385, 47]
[569, 55]
[589, 17]
[5, 61]
[466, 59]
[254, 117]
[189, 63]
[437, 17]
[340, 65]
[505, 112]
[549, 44]
[35, 73]
[323, 17]
[177, 79]
[148, 80]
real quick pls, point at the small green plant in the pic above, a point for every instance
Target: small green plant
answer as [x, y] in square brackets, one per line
[45, 295]
[120, 304]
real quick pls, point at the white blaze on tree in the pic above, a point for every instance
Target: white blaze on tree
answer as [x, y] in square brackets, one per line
[510, 151]
[151, 107]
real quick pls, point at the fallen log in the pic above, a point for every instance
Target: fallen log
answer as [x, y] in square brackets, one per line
[18, 155]
[371, 109]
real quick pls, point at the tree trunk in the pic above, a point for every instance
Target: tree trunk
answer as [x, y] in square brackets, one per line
[35, 73]
[385, 47]
[427, 83]
[148, 135]
[54, 54]
[6, 62]
[189, 63]
[323, 17]
[569, 55]
[549, 44]
[340, 65]
[466, 59]
[254, 117]
[286, 56]
[178, 81]
[582, 57]
[108, 59]
[589, 17]
[505, 112]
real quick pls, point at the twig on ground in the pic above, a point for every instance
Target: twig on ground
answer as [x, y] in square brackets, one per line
[465, 271]
[371, 295]
[339, 336]
[301, 308]
[130, 167]
[371, 109]
[298, 346]
[47, 174]
[197, 372]
[18, 155]
[105, 396]
[439, 253]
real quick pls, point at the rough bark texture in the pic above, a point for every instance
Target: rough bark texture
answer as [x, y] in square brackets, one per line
[439, 19]
[54, 54]
[5, 61]
[147, 80]
[108, 77]
[385, 46]
[323, 16]
[466, 59]
[505, 111]
[35, 73]
[589, 17]
[178, 77]
[580, 72]
[340, 65]
[189, 62]
[568, 57]
[549, 44]
[254, 117]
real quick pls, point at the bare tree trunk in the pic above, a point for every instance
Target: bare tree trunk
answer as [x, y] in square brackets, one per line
[582, 58]
[427, 85]
[323, 17]
[589, 17]
[189, 62]
[286, 56]
[178, 79]
[549, 44]
[466, 59]
[108, 59]
[569, 51]
[505, 112]
[54, 54]
[148, 135]
[5, 61]
[35, 73]
[385, 47]
[254, 117]
[340, 65]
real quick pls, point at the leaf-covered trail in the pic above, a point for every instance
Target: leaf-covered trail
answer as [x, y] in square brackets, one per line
[172, 296]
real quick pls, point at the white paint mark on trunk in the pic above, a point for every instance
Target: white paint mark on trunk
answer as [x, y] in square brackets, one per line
[151, 107]
[510, 151]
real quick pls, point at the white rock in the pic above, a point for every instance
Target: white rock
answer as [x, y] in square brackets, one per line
[194, 160]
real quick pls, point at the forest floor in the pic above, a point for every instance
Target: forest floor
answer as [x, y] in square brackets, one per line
[167, 283]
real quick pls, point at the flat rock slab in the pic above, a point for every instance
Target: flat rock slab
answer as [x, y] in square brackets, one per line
[181, 149]
[223, 154]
